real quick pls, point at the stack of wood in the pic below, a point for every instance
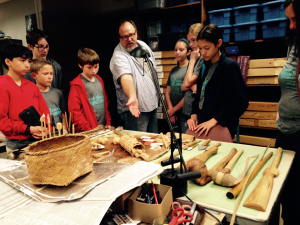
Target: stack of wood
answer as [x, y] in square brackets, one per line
[265, 71]
[259, 115]
[165, 62]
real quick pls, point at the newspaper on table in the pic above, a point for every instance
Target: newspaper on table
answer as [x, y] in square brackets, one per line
[87, 210]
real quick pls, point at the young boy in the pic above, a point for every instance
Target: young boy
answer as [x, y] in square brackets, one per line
[16, 95]
[38, 43]
[42, 71]
[88, 101]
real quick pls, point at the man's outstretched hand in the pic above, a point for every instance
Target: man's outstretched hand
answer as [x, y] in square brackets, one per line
[133, 105]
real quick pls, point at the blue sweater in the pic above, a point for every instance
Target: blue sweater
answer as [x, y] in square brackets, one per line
[225, 96]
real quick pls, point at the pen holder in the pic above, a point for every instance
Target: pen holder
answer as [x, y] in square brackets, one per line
[148, 212]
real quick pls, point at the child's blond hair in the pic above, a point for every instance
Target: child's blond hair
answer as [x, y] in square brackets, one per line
[195, 28]
[37, 64]
[87, 56]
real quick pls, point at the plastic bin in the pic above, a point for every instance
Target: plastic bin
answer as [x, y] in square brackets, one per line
[220, 17]
[193, 21]
[175, 2]
[246, 13]
[274, 28]
[168, 40]
[150, 4]
[245, 31]
[226, 32]
[178, 26]
[153, 42]
[233, 50]
[273, 10]
[154, 28]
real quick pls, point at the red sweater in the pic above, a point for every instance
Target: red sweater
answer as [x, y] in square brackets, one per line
[13, 101]
[79, 105]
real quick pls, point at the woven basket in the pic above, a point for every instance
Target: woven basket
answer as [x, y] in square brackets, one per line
[59, 160]
[134, 147]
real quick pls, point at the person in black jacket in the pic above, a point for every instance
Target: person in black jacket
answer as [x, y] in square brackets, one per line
[221, 94]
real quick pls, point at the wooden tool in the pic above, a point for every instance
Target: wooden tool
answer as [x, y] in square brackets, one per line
[166, 143]
[242, 191]
[41, 119]
[118, 133]
[260, 196]
[206, 179]
[237, 189]
[53, 131]
[69, 127]
[63, 123]
[49, 125]
[187, 146]
[198, 163]
[223, 177]
[214, 145]
[66, 121]
[59, 127]
[204, 145]
[44, 125]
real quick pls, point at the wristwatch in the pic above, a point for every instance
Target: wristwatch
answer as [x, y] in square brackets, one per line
[27, 130]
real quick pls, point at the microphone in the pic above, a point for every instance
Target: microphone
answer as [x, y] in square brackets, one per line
[139, 52]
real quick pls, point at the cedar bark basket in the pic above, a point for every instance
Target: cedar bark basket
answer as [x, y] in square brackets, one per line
[59, 160]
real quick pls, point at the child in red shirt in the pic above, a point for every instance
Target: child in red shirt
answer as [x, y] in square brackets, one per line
[88, 101]
[16, 95]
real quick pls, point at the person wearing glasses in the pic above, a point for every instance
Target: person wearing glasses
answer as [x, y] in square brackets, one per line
[136, 94]
[38, 43]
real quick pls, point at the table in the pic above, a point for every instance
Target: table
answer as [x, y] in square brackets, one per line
[244, 215]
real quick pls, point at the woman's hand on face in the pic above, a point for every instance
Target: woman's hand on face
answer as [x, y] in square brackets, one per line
[206, 126]
[195, 54]
[192, 122]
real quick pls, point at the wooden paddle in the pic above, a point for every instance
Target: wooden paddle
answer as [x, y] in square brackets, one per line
[260, 196]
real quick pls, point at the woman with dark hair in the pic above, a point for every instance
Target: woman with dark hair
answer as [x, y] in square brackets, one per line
[221, 93]
[288, 116]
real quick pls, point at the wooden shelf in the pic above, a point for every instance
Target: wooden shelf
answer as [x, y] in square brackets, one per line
[263, 128]
[262, 85]
[170, 8]
[255, 41]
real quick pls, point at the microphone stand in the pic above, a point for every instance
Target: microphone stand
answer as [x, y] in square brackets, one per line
[177, 178]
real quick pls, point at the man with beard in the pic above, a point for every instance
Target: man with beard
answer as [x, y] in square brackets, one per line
[136, 95]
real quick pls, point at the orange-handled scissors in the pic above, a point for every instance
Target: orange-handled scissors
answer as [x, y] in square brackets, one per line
[179, 217]
[186, 208]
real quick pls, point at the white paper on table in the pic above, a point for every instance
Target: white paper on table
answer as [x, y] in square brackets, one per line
[126, 180]
[11, 199]
[69, 213]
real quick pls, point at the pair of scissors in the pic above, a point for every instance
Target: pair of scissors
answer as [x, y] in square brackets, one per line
[180, 214]
[179, 217]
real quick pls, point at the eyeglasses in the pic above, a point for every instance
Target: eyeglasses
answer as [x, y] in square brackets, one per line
[42, 48]
[125, 38]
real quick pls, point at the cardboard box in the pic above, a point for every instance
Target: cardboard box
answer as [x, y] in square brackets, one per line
[164, 81]
[160, 75]
[259, 115]
[261, 63]
[121, 203]
[159, 109]
[262, 80]
[252, 140]
[148, 212]
[160, 115]
[166, 61]
[263, 106]
[163, 54]
[264, 72]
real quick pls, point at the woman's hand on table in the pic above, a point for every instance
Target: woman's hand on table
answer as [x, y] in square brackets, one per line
[192, 122]
[206, 126]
